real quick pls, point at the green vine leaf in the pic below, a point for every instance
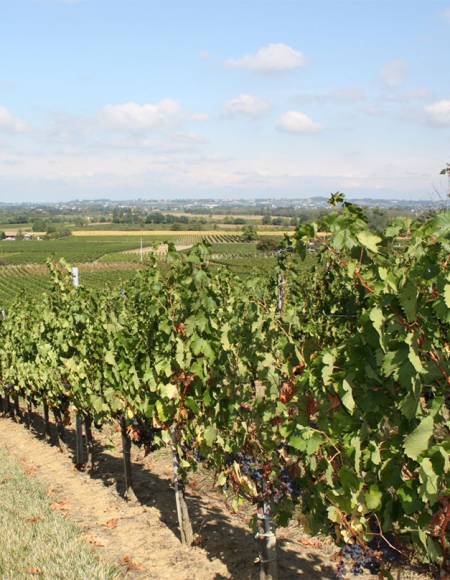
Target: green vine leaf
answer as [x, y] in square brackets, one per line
[417, 441]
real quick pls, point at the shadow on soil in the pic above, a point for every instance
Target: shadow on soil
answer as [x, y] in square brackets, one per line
[221, 538]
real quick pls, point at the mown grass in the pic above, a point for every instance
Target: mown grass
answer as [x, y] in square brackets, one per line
[36, 542]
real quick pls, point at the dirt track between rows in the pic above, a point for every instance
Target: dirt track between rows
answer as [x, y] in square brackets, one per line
[143, 537]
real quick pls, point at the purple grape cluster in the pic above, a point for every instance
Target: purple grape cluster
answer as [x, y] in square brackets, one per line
[285, 486]
[146, 434]
[250, 467]
[360, 559]
[379, 544]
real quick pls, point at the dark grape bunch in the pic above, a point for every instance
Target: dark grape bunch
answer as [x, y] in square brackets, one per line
[250, 467]
[191, 451]
[285, 486]
[360, 559]
[142, 434]
[387, 552]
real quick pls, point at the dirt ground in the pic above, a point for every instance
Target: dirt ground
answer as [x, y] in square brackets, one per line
[142, 536]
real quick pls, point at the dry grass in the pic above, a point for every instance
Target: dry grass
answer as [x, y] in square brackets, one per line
[35, 540]
[169, 233]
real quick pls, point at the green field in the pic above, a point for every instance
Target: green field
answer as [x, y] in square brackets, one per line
[31, 281]
[73, 249]
[111, 259]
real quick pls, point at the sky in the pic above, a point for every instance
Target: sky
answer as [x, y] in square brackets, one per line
[223, 98]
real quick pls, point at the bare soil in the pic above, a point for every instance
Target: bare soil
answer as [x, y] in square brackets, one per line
[142, 536]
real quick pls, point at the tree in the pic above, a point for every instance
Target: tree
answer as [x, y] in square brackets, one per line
[446, 171]
[268, 245]
[249, 233]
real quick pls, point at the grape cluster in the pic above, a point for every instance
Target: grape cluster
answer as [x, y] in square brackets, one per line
[250, 467]
[143, 434]
[285, 486]
[360, 558]
[289, 485]
[380, 545]
[191, 451]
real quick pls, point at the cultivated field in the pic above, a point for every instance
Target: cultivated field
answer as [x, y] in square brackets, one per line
[111, 258]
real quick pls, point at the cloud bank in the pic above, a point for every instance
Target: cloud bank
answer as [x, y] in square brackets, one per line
[247, 105]
[297, 122]
[276, 57]
[9, 123]
[438, 113]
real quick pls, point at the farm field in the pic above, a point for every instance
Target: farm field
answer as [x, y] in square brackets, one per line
[164, 234]
[30, 281]
[88, 248]
[74, 250]
[111, 259]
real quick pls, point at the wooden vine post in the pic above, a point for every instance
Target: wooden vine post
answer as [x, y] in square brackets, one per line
[79, 444]
[17, 411]
[29, 412]
[267, 543]
[89, 443]
[60, 431]
[184, 522]
[265, 528]
[79, 447]
[126, 452]
[46, 422]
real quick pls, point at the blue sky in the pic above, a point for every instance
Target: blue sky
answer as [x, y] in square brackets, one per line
[286, 98]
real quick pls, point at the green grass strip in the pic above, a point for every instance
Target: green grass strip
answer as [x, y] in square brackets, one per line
[34, 540]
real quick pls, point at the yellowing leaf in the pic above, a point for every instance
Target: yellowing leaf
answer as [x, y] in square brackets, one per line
[447, 295]
[369, 240]
[415, 361]
[377, 318]
[169, 391]
[347, 396]
[210, 435]
[109, 358]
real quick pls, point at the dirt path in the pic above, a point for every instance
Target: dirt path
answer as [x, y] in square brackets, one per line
[143, 537]
[161, 250]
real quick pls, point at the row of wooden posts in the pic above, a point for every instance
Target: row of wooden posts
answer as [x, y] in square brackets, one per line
[84, 460]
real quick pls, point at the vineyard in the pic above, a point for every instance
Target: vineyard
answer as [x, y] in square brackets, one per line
[110, 260]
[320, 387]
[30, 281]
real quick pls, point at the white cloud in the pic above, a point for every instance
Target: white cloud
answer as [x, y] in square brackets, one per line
[394, 73]
[334, 96]
[446, 14]
[275, 57]
[246, 105]
[134, 117]
[199, 117]
[10, 123]
[406, 96]
[297, 122]
[439, 113]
